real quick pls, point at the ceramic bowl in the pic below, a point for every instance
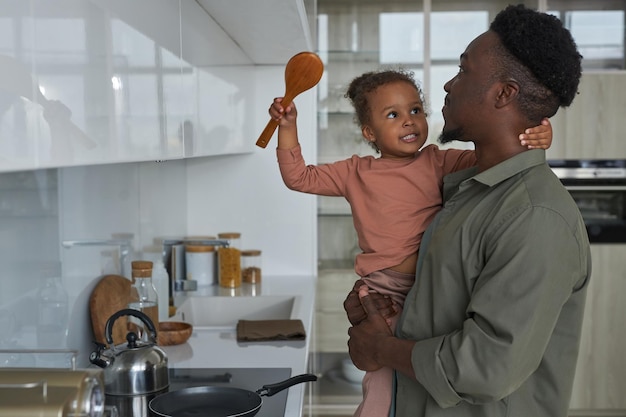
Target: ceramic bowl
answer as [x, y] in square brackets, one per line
[173, 333]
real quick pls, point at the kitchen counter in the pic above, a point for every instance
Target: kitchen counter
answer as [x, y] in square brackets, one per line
[218, 348]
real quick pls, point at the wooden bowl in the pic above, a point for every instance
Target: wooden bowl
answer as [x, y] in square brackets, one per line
[173, 333]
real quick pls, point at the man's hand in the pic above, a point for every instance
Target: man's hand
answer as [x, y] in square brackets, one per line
[366, 336]
[355, 311]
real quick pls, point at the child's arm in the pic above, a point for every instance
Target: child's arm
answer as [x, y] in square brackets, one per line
[538, 137]
[287, 127]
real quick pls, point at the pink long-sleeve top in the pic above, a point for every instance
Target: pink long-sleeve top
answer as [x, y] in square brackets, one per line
[392, 201]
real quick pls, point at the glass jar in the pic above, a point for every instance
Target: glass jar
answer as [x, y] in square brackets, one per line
[229, 260]
[53, 314]
[233, 239]
[200, 264]
[143, 297]
[251, 266]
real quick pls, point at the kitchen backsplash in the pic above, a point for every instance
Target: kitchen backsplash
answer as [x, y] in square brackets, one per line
[39, 210]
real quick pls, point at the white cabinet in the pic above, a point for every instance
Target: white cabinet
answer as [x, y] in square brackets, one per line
[601, 369]
[333, 285]
[593, 126]
[86, 88]
[101, 81]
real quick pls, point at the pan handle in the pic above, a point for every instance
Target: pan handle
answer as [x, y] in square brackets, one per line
[271, 389]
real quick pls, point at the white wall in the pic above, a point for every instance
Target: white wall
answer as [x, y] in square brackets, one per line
[79, 51]
[208, 195]
[245, 193]
[175, 198]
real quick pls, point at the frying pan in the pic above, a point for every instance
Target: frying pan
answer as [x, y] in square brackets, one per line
[219, 401]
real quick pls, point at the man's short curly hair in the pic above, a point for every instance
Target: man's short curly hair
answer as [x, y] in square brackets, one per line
[542, 44]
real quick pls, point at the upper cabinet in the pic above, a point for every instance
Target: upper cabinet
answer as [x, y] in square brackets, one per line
[103, 81]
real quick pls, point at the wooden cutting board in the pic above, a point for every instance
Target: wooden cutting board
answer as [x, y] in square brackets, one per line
[109, 296]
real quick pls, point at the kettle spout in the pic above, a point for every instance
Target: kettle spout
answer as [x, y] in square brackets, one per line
[96, 357]
[98, 360]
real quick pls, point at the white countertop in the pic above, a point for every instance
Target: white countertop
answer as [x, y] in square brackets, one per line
[218, 348]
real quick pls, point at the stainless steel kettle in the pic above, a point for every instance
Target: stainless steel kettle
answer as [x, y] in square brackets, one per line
[134, 372]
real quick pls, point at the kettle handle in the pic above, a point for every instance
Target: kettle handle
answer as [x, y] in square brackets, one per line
[108, 328]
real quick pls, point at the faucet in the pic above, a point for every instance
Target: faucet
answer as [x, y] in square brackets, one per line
[122, 244]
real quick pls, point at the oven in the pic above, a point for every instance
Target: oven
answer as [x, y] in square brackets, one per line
[599, 188]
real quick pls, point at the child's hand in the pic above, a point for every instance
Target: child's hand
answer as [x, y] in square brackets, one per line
[538, 137]
[284, 116]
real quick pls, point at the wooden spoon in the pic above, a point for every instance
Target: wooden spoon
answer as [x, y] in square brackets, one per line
[303, 71]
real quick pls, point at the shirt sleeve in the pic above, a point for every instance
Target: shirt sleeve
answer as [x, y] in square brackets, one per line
[451, 160]
[328, 179]
[532, 266]
[457, 160]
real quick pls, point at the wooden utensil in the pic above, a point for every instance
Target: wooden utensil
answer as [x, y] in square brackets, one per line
[303, 71]
[109, 296]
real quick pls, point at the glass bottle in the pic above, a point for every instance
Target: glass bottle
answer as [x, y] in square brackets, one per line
[143, 297]
[53, 314]
[161, 281]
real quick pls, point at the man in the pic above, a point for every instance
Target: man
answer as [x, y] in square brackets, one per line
[492, 324]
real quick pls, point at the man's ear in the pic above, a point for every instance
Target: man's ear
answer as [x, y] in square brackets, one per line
[368, 133]
[507, 93]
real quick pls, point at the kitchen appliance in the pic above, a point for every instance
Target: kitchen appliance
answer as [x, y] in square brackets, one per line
[219, 401]
[51, 392]
[599, 188]
[135, 372]
[244, 378]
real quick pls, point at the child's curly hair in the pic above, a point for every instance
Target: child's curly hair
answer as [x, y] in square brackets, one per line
[550, 67]
[361, 86]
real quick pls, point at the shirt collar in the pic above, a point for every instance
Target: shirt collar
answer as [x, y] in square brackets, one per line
[501, 171]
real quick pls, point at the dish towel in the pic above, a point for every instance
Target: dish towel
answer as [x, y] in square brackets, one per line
[268, 330]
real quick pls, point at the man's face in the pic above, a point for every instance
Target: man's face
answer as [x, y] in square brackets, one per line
[464, 105]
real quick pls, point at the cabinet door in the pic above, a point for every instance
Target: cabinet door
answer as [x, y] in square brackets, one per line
[85, 87]
[593, 126]
[601, 371]
[330, 319]
[225, 98]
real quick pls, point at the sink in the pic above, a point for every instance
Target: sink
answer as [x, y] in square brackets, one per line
[225, 312]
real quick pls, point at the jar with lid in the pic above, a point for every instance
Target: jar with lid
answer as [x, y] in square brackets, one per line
[251, 266]
[229, 260]
[199, 237]
[143, 296]
[200, 264]
[233, 239]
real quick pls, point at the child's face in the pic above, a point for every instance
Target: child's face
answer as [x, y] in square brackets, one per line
[397, 122]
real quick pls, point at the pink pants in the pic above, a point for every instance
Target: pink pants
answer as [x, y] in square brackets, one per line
[377, 385]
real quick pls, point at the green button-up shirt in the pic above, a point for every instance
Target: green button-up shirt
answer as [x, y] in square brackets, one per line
[498, 302]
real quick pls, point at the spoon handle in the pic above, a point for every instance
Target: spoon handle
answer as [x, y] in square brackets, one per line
[271, 126]
[267, 133]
